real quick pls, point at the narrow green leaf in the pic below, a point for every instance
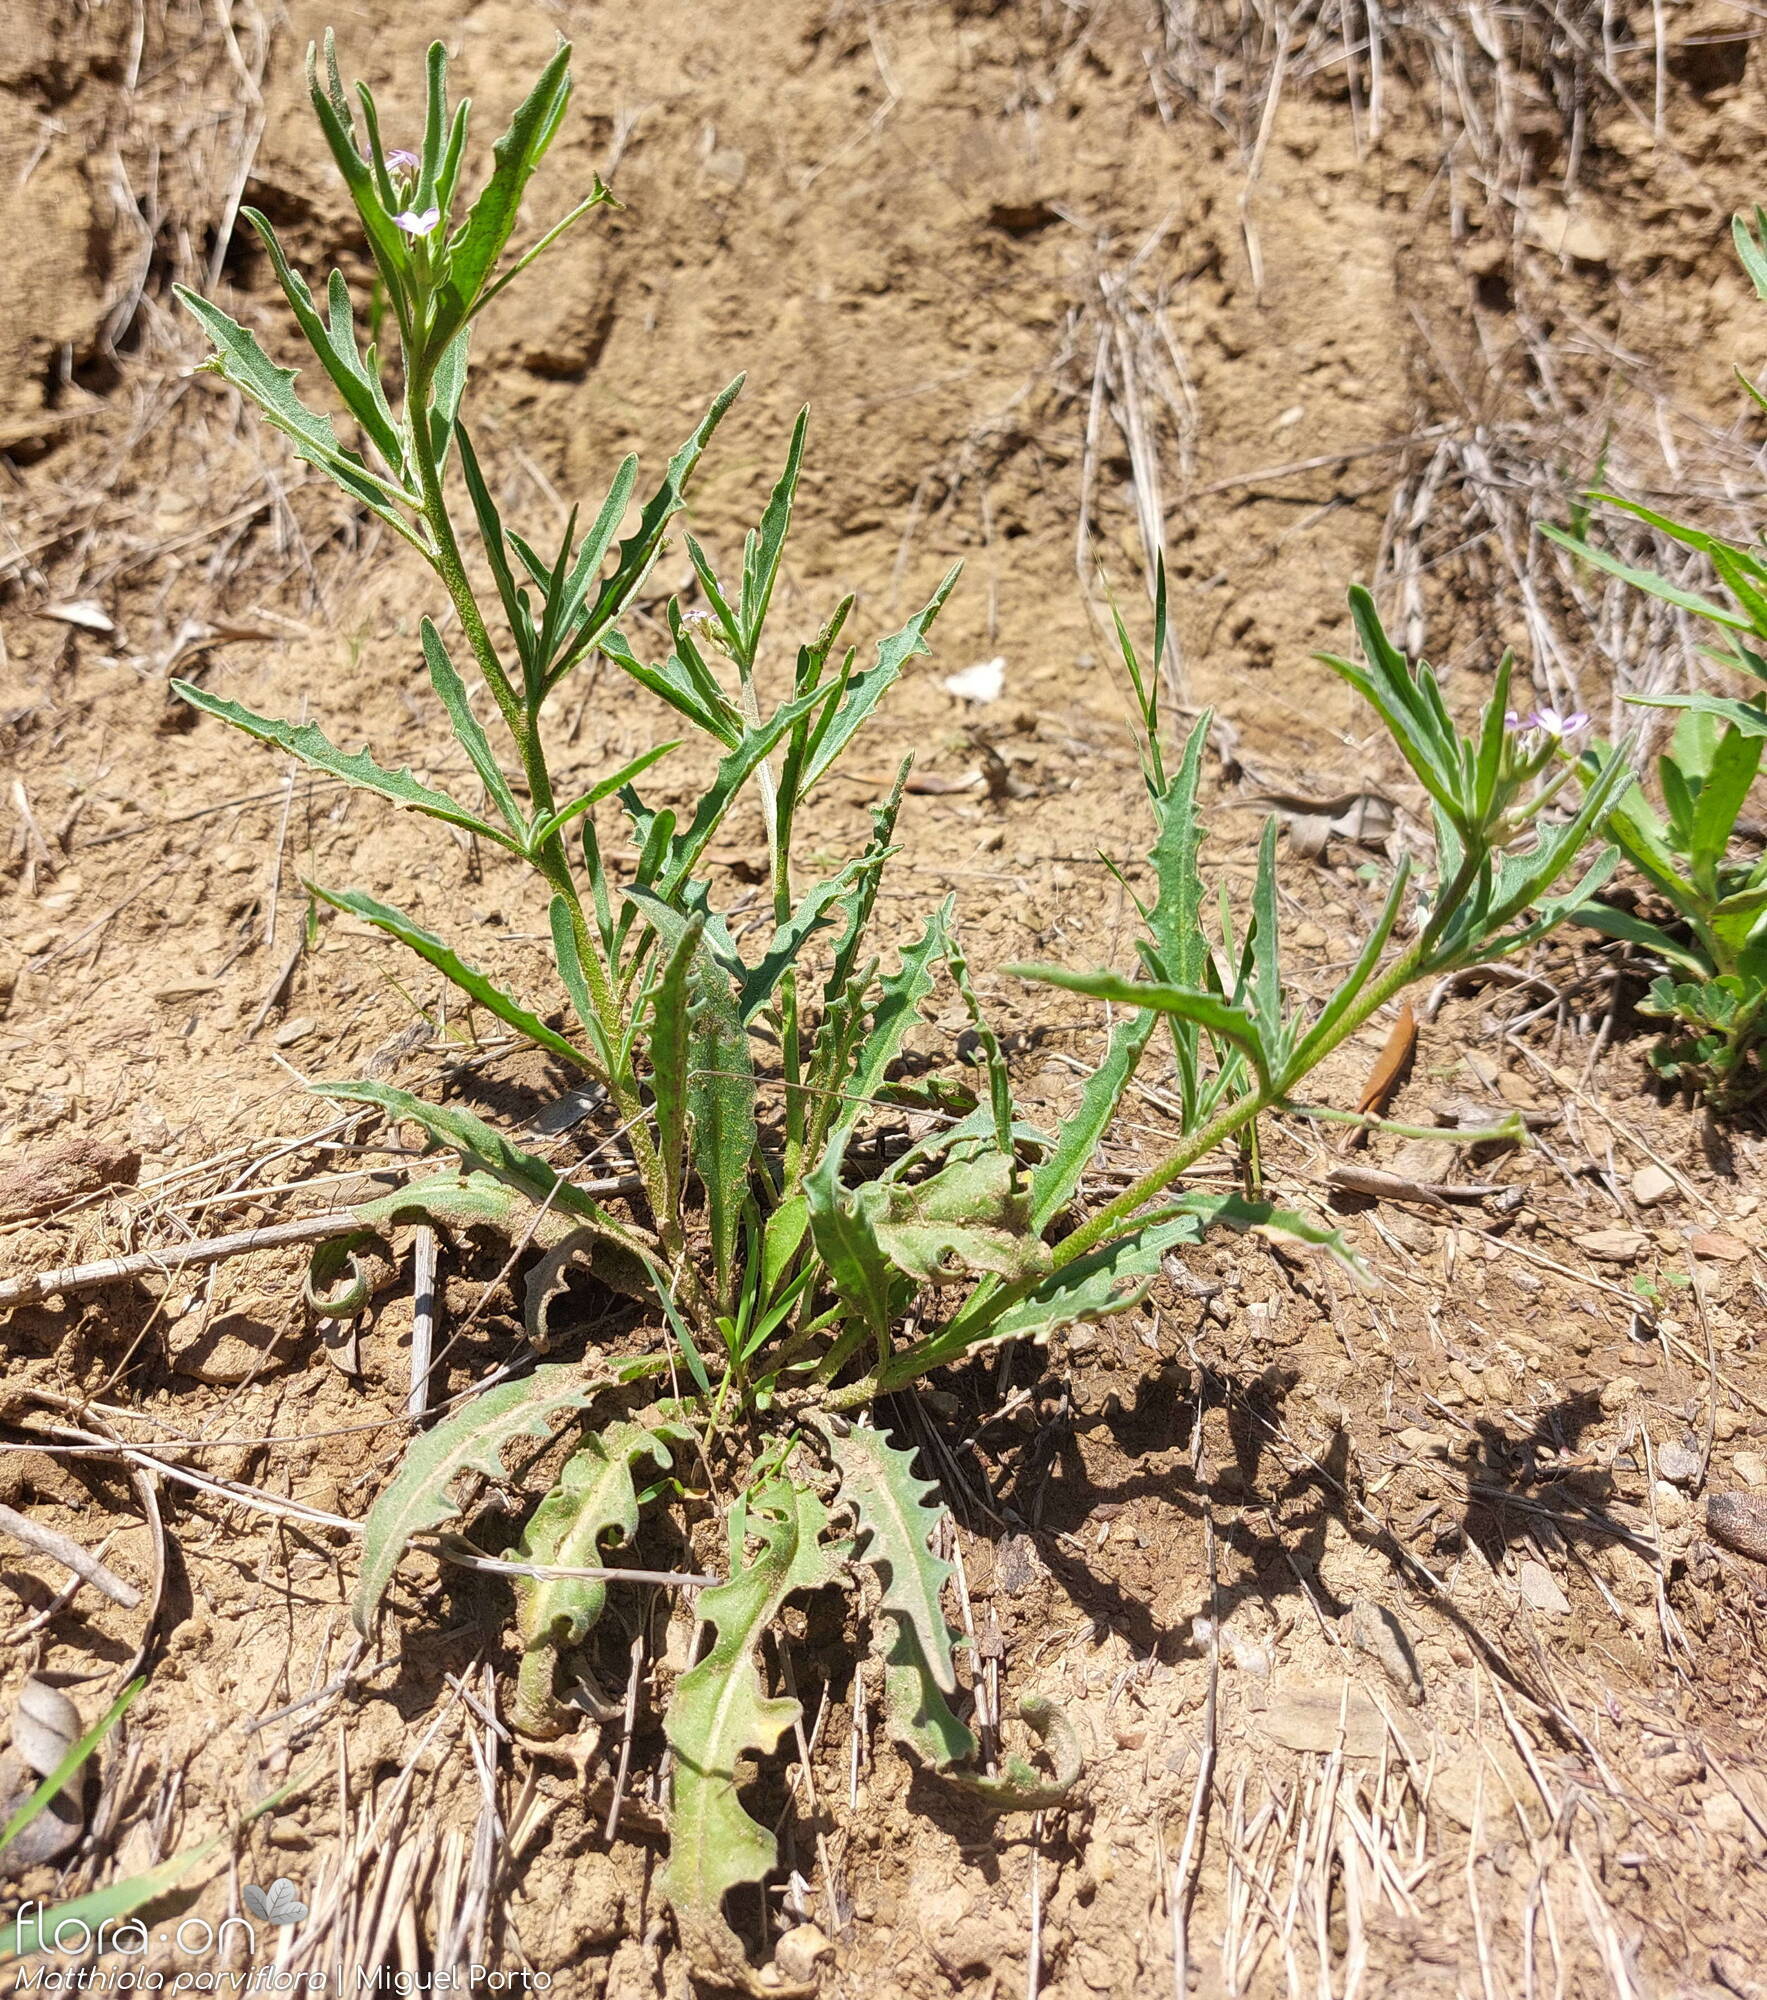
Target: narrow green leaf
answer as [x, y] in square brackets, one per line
[1108, 1280]
[447, 387]
[617, 781]
[483, 1147]
[99, 1907]
[570, 969]
[1748, 716]
[675, 683]
[639, 551]
[310, 744]
[72, 1761]
[1056, 1178]
[476, 247]
[1318, 1037]
[865, 690]
[760, 567]
[1622, 924]
[896, 1012]
[243, 363]
[1721, 799]
[496, 547]
[1208, 1010]
[468, 729]
[812, 914]
[1646, 580]
[334, 342]
[357, 903]
[719, 1082]
[846, 1242]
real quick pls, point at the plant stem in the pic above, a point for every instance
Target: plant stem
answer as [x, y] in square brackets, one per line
[1239, 1114]
[551, 860]
[450, 566]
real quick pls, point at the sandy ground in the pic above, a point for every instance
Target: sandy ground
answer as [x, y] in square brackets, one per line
[1063, 285]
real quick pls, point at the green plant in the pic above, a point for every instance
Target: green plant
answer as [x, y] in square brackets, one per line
[796, 1273]
[1713, 980]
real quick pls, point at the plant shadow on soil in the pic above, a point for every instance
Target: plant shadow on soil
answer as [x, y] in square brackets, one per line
[1504, 1493]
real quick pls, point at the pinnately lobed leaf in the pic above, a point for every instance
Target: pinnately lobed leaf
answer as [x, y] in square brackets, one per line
[720, 1714]
[595, 1497]
[472, 1439]
[889, 1504]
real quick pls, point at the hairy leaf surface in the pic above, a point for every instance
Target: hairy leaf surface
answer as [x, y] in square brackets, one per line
[471, 1439]
[595, 1499]
[721, 1714]
[896, 1525]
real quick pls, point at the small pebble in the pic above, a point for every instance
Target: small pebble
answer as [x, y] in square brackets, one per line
[1651, 1185]
[1739, 1521]
[1539, 1587]
[1375, 1631]
[1679, 1767]
[1750, 1467]
[798, 1952]
[1710, 1243]
[294, 1031]
[1617, 1392]
[1678, 1462]
[1614, 1246]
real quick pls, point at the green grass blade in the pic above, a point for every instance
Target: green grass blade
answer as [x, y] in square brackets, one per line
[72, 1761]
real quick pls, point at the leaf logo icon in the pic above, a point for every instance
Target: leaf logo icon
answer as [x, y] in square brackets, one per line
[281, 1904]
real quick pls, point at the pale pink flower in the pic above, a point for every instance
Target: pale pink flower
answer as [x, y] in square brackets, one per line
[414, 224]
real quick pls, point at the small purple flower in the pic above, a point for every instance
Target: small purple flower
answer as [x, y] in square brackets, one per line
[1555, 724]
[1549, 721]
[414, 224]
[402, 161]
